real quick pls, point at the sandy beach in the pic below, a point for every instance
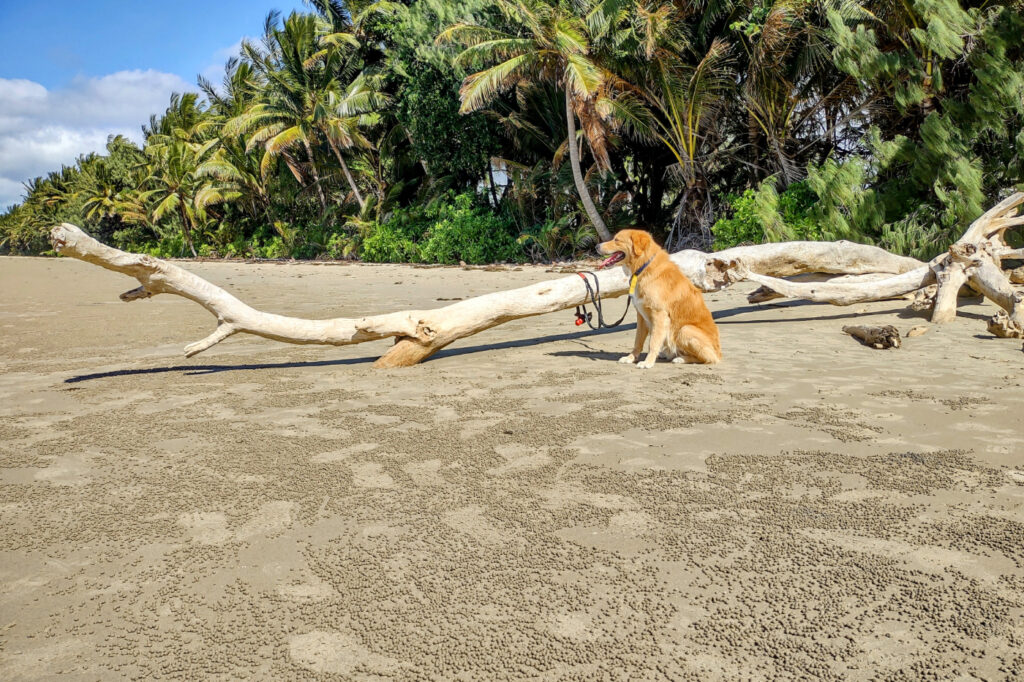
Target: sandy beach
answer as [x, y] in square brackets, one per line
[521, 506]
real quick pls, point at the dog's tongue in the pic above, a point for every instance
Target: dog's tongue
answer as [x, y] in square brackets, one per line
[612, 259]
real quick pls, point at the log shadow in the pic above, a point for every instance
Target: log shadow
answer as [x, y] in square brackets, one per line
[926, 315]
[199, 370]
[720, 315]
[535, 341]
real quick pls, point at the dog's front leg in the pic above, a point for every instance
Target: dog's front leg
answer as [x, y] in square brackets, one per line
[659, 333]
[638, 340]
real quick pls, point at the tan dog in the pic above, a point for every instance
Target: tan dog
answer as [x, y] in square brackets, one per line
[667, 303]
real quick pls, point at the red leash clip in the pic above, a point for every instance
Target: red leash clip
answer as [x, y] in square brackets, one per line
[582, 316]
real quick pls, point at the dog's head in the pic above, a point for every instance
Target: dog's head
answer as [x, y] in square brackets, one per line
[631, 247]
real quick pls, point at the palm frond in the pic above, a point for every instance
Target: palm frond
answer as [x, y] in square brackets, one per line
[480, 87]
[285, 140]
[470, 34]
[169, 203]
[500, 49]
[582, 77]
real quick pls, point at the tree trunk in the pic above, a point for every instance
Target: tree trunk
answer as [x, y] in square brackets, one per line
[186, 228]
[316, 176]
[577, 174]
[423, 162]
[490, 178]
[348, 175]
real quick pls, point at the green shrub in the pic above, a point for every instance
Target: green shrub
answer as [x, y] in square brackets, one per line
[448, 230]
[342, 245]
[275, 247]
[764, 215]
[388, 243]
[464, 231]
[172, 246]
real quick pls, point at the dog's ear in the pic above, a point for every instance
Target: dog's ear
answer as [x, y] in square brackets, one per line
[639, 240]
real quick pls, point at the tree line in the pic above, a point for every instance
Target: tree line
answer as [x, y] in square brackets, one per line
[504, 130]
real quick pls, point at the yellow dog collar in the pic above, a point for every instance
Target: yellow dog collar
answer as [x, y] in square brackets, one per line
[632, 280]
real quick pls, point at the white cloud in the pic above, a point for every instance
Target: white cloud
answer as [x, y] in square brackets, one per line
[215, 70]
[41, 129]
[9, 188]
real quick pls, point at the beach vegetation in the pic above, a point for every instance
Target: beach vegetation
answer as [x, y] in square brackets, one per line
[512, 130]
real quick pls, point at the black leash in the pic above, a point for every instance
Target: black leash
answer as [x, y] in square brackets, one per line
[594, 291]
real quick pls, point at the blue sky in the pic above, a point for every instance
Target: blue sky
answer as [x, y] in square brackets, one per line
[72, 73]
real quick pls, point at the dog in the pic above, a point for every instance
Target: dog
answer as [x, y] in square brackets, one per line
[668, 305]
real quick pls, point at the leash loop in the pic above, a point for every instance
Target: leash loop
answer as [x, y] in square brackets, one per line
[594, 292]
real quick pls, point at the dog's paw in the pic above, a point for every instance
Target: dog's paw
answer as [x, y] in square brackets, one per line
[679, 360]
[646, 364]
[627, 359]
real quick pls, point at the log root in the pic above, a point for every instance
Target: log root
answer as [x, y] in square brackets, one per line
[1002, 326]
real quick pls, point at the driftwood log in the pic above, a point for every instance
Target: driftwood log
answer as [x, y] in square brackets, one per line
[875, 337]
[975, 259]
[870, 274]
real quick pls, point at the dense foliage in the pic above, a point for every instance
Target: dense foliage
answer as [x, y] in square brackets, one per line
[487, 130]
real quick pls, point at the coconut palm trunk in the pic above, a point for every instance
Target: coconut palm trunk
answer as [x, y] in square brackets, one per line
[348, 174]
[423, 162]
[316, 176]
[577, 174]
[186, 228]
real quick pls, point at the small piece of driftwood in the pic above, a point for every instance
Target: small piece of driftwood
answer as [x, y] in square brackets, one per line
[1002, 326]
[875, 337]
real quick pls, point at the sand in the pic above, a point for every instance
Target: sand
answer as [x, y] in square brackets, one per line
[519, 507]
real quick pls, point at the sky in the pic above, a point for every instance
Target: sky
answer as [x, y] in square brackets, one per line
[72, 73]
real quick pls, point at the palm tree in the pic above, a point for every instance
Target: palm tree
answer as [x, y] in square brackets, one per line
[351, 108]
[229, 172]
[546, 41]
[174, 183]
[348, 113]
[184, 119]
[292, 104]
[99, 191]
[675, 90]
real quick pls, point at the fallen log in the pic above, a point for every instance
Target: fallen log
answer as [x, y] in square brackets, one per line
[421, 333]
[843, 293]
[763, 294]
[712, 271]
[875, 337]
[974, 259]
